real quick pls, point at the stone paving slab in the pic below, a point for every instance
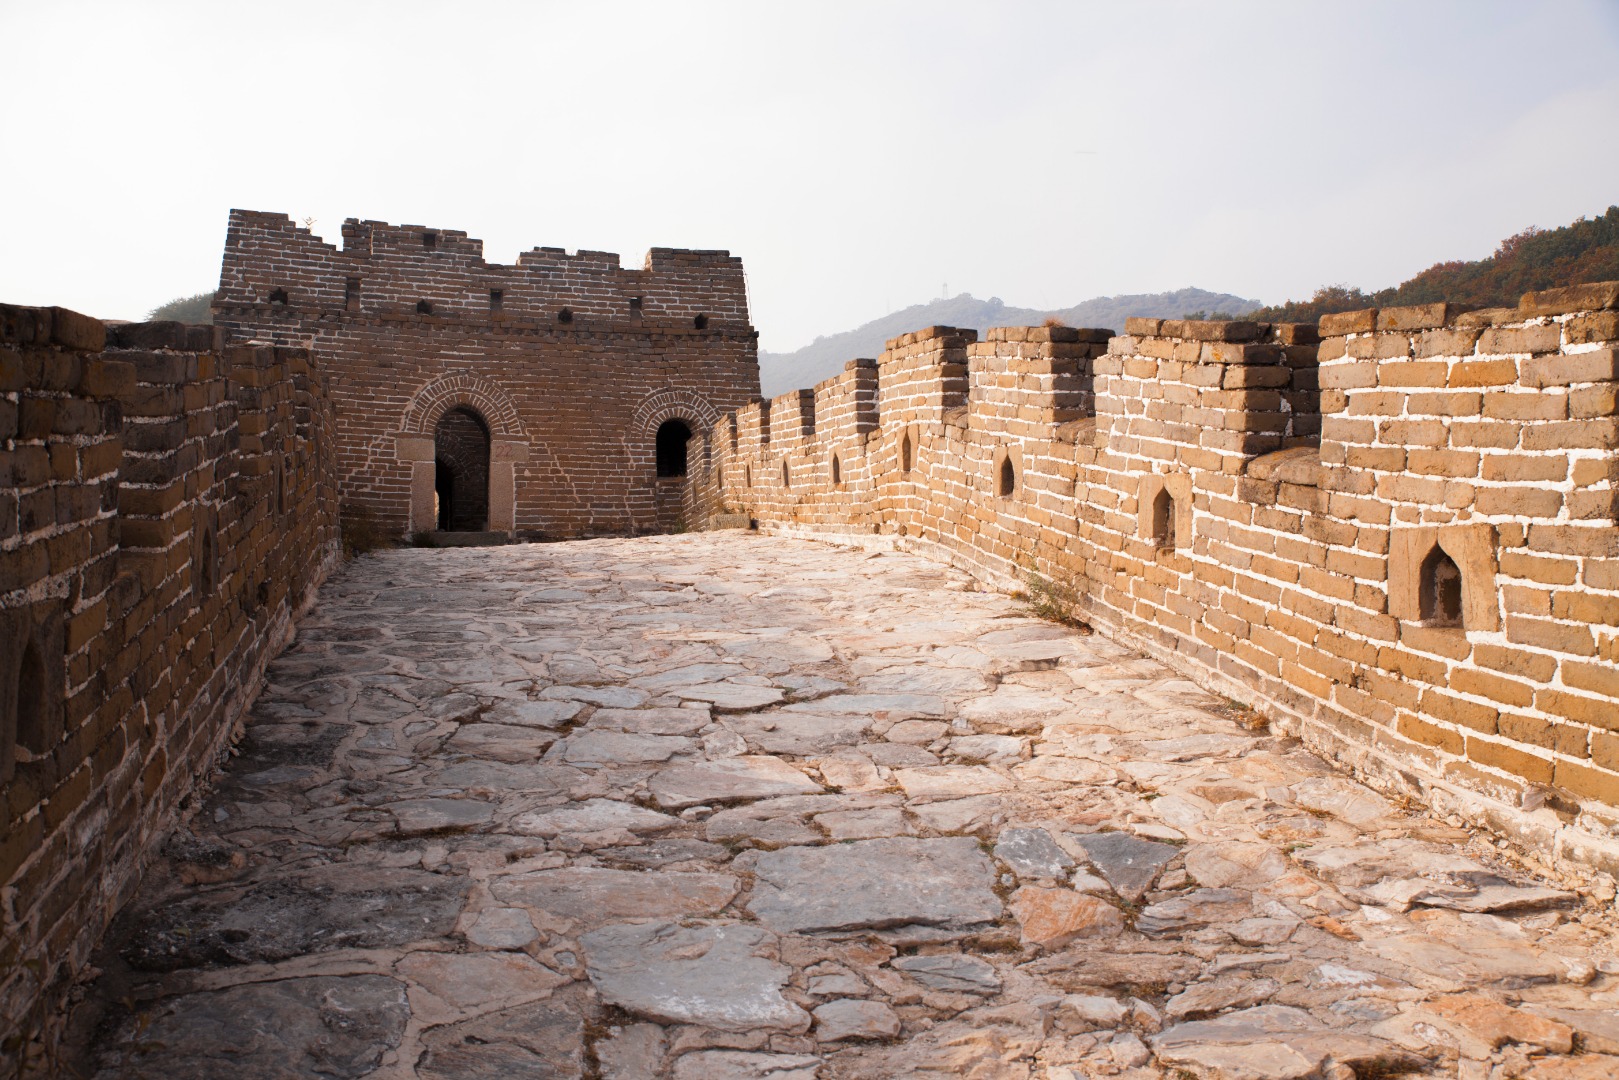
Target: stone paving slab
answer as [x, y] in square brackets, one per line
[723, 805]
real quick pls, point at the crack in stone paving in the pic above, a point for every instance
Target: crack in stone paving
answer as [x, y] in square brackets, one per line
[731, 806]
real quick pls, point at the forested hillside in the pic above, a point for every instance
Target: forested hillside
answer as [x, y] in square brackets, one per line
[1587, 250]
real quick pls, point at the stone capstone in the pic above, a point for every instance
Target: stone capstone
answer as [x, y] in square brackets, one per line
[337, 1026]
[850, 1018]
[958, 973]
[1128, 863]
[728, 780]
[593, 895]
[717, 976]
[873, 884]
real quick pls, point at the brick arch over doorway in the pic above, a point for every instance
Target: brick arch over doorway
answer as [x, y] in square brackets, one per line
[462, 388]
[669, 404]
[508, 445]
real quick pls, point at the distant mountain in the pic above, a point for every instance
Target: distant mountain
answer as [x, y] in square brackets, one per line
[825, 356]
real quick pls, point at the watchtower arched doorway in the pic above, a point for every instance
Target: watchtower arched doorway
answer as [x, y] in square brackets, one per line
[461, 471]
[670, 450]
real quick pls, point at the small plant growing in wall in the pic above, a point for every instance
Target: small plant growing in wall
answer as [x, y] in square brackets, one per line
[1053, 602]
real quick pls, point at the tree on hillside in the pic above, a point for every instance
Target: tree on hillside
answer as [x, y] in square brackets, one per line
[195, 310]
[1328, 300]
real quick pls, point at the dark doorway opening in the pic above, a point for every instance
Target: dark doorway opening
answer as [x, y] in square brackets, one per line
[461, 471]
[444, 488]
[672, 438]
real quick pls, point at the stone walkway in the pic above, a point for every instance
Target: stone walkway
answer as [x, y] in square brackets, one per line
[725, 806]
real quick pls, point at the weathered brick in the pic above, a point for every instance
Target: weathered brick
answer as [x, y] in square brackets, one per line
[1560, 301]
[1484, 373]
[1586, 782]
[1519, 501]
[1431, 373]
[1576, 707]
[1600, 365]
[1593, 329]
[1519, 339]
[1463, 713]
[1558, 637]
[1510, 759]
[1348, 322]
[1421, 731]
[1414, 317]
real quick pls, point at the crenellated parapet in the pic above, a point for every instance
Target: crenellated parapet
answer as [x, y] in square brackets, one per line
[1392, 533]
[169, 505]
[274, 267]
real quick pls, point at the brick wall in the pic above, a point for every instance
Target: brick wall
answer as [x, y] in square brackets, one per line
[166, 506]
[1394, 534]
[571, 361]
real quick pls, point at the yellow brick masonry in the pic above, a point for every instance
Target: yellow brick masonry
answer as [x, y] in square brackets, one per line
[1318, 463]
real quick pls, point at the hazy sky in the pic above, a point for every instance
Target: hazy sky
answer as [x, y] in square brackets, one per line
[858, 156]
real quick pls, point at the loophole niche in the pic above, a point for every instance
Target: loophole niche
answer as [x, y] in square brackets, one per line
[1439, 584]
[30, 711]
[1163, 520]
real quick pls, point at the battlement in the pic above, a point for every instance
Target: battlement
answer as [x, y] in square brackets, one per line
[1393, 533]
[1026, 377]
[169, 507]
[274, 267]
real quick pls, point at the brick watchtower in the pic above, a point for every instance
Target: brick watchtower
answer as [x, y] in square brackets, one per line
[551, 398]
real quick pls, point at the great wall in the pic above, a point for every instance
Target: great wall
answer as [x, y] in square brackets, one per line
[1397, 540]
[1391, 536]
